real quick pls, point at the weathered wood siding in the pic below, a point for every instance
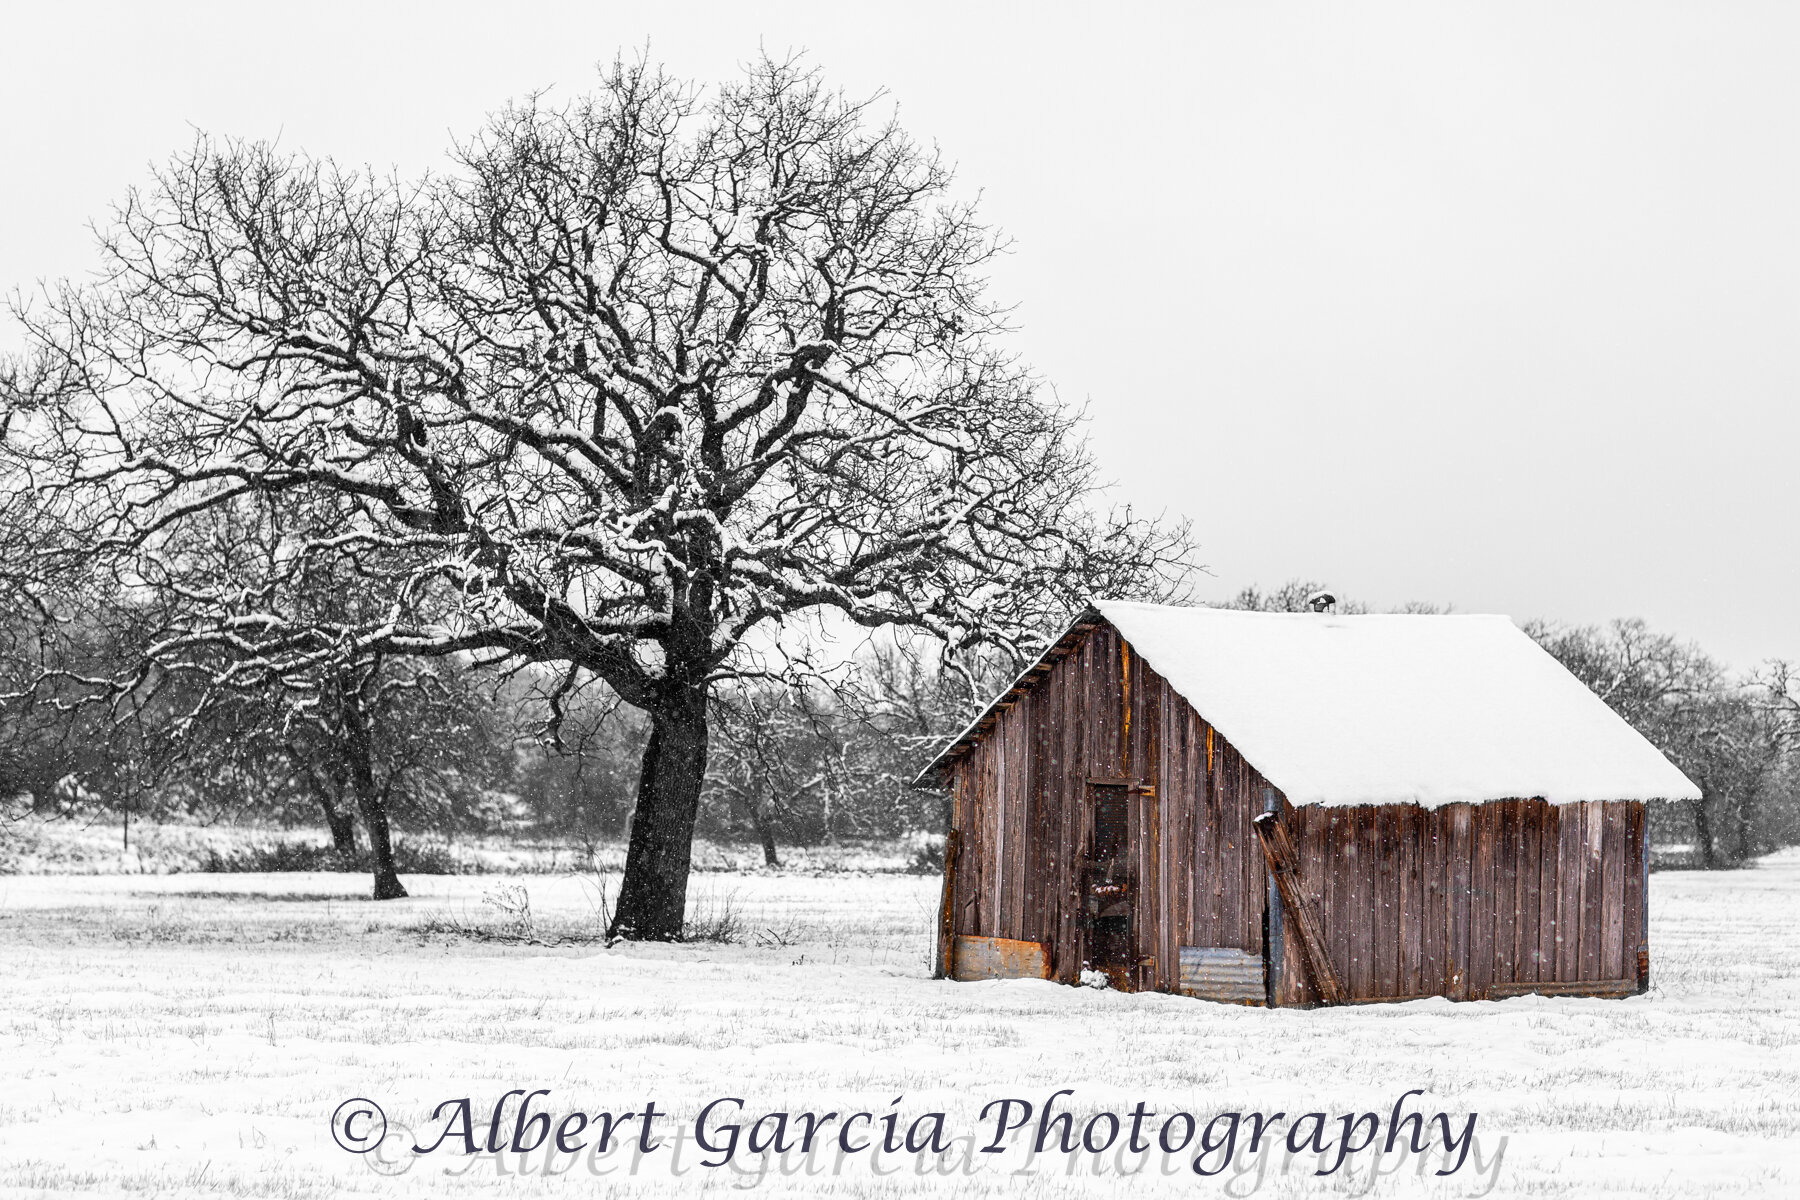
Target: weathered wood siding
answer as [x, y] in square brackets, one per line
[1457, 901]
[1022, 809]
[1472, 900]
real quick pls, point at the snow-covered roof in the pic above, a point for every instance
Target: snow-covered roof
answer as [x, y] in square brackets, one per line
[1387, 709]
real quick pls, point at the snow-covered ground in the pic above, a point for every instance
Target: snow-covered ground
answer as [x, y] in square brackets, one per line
[193, 1034]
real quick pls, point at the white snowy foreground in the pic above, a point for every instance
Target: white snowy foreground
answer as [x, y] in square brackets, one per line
[193, 1034]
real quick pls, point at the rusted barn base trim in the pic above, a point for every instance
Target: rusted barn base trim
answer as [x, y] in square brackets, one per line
[975, 958]
[1604, 989]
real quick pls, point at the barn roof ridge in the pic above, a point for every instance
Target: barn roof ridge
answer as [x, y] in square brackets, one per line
[1433, 708]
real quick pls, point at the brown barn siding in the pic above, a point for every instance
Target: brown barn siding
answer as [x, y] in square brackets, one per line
[1508, 893]
[1453, 901]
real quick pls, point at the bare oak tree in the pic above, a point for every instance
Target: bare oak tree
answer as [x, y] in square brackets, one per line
[640, 376]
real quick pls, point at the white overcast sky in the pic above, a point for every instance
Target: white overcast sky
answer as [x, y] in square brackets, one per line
[1493, 306]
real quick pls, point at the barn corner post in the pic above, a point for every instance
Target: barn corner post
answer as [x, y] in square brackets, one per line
[1274, 934]
[1643, 954]
[946, 928]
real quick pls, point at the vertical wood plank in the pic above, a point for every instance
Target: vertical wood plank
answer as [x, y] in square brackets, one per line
[1387, 899]
[1167, 967]
[1030, 723]
[1568, 892]
[1592, 847]
[1232, 847]
[1412, 919]
[1633, 938]
[1431, 901]
[1481, 901]
[1612, 892]
[1229, 901]
[1039, 805]
[1507, 846]
[1013, 750]
[1335, 892]
[1258, 885]
[1365, 912]
[1525, 939]
[1212, 889]
[1462, 855]
[1108, 706]
[1549, 889]
[1369, 928]
[1193, 789]
[1068, 763]
[1236, 847]
[1171, 786]
[999, 761]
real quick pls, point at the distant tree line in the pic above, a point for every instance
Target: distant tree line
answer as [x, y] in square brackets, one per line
[450, 747]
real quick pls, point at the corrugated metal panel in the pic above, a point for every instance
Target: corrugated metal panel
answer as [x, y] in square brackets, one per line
[1222, 973]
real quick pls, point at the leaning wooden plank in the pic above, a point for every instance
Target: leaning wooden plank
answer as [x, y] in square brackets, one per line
[999, 958]
[1280, 855]
[1607, 989]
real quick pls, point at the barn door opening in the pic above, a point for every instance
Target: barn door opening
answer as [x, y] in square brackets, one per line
[1108, 894]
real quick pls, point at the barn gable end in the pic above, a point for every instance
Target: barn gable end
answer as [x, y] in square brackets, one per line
[1094, 720]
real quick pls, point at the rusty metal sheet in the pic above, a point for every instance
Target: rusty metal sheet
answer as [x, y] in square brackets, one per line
[999, 958]
[1222, 973]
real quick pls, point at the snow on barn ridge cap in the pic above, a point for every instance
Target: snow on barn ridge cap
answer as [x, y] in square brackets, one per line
[1431, 709]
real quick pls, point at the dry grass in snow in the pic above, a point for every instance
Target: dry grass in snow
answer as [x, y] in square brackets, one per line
[192, 1034]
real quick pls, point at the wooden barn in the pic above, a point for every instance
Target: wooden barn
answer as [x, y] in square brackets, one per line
[1298, 809]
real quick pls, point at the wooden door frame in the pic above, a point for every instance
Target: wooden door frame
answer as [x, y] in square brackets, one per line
[1143, 816]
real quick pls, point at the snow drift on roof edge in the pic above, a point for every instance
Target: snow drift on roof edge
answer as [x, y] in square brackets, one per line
[1433, 710]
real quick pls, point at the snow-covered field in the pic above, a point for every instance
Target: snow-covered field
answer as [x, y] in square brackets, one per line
[193, 1034]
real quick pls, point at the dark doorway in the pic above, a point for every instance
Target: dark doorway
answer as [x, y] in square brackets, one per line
[1107, 887]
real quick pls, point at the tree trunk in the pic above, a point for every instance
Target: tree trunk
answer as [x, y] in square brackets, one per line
[369, 801]
[330, 795]
[767, 833]
[764, 830]
[1703, 833]
[343, 832]
[653, 893]
[1744, 816]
